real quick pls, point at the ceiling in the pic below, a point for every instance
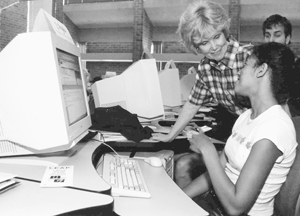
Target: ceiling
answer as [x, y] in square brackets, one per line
[167, 12]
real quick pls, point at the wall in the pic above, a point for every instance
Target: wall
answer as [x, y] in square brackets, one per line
[127, 39]
[34, 8]
[97, 69]
[234, 14]
[121, 40]
[13, 21]
[59, 15]
[147, 31]
[177, 47]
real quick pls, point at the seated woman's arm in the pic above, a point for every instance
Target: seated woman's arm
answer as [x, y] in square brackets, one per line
[202, 183]
[239, 198]
[198, 186]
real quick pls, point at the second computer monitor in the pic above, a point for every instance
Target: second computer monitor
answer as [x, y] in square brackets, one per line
[137, 90]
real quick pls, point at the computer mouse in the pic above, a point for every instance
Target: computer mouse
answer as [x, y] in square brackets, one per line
[154, 161]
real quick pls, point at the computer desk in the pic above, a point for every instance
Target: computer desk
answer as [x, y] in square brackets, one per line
[90, 193]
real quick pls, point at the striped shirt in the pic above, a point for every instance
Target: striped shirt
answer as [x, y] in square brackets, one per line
[215, 80]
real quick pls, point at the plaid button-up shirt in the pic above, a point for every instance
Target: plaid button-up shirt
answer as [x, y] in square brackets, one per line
[215, 80]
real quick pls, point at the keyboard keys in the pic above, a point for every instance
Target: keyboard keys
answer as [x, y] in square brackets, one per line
[125, 177]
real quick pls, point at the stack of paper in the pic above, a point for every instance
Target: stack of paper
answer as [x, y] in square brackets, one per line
[7, 181]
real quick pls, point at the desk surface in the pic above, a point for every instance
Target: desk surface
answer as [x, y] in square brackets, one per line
[29, 199]
[89, 188]
[166, 197]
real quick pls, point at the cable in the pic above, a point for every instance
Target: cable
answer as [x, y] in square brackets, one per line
[103, 142]
[112, 149]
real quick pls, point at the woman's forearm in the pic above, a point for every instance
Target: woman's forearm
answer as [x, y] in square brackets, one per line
[188, 112]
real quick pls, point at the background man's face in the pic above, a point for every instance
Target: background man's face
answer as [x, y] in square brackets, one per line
[276, 34]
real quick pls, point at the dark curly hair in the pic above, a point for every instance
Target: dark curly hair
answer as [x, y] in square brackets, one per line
[281, 60]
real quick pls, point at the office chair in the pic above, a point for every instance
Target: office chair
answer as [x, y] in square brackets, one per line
[287, 198]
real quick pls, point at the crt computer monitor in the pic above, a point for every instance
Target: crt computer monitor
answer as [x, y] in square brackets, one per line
[137, 89]
[44, 105]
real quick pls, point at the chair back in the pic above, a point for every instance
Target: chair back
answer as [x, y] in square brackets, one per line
[287, 198]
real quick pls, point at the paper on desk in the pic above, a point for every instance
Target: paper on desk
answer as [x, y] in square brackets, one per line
[107, 136]
[115, 138]
[6, 176]
[205, 109]
[112, 136]
[58, 176]
[7, 181]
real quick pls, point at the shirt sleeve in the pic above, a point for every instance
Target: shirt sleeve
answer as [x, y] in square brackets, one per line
[280, 132]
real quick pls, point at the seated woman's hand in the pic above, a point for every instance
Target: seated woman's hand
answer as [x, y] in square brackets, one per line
[200, 142]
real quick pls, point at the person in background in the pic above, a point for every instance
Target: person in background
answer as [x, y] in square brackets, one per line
[262, 147]
[277, 28]
[204, 29]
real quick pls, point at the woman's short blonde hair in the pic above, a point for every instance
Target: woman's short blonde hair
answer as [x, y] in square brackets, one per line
[201, 18]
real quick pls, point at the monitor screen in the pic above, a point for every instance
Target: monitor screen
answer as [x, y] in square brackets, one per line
[73, 90]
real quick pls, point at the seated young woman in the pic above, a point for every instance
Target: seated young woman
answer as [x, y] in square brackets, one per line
[262, 147]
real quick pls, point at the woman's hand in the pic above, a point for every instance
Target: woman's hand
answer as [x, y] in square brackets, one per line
[161, 137]
[200, 142]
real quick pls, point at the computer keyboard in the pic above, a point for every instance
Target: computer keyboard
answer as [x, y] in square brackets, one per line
[125, 177]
